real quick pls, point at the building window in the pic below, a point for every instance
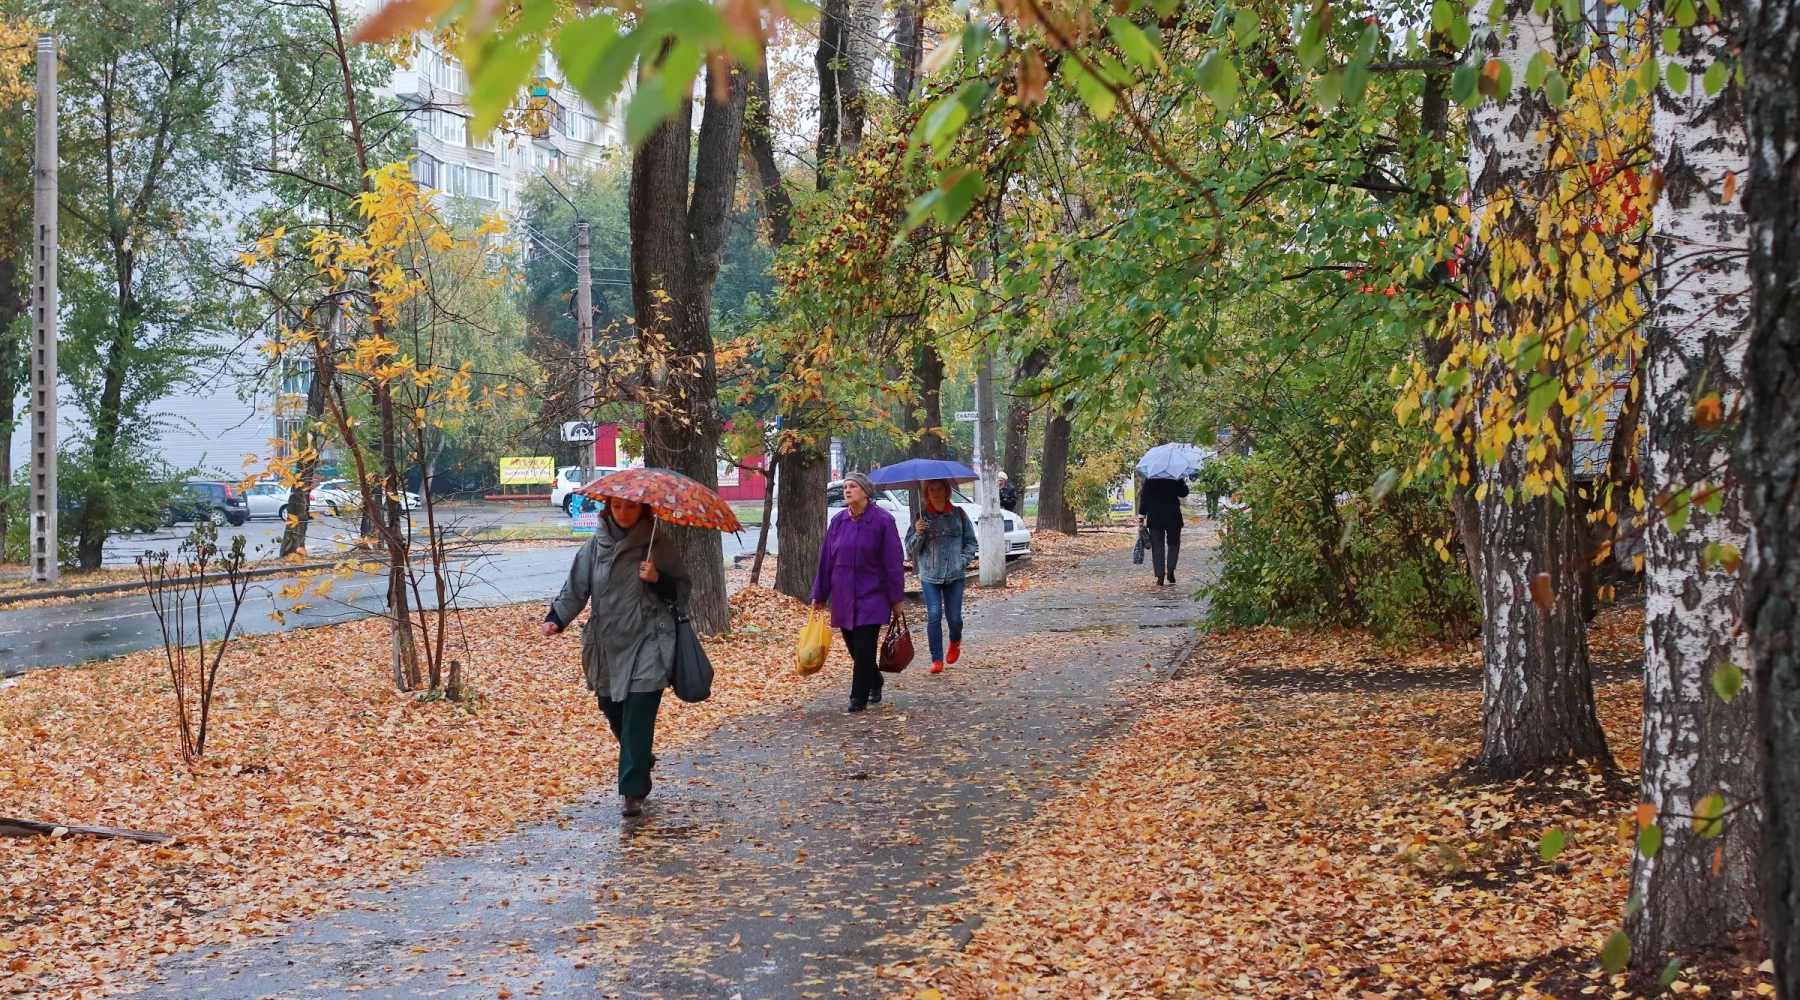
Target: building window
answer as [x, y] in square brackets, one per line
[445, 73]
[425, 170]
[296, 378]
[584, 127]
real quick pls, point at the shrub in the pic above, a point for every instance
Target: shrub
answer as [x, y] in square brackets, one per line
[1305, 550]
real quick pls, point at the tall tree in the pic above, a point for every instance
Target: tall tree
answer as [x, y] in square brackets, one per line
[147, 125]
[1018, 418]
[1768, 462]
[1537, 696]
[677, 242]
[1701, 883]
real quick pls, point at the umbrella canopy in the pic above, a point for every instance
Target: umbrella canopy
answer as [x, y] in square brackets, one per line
[1172, 461]
[914, 472]
[674, 497]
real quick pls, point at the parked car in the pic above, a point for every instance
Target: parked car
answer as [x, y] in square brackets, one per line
[341, 495]
[1018, 536]
[267, 500]
[206, 500]
[568, 480]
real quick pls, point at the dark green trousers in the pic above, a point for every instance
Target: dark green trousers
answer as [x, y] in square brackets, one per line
[633, 722]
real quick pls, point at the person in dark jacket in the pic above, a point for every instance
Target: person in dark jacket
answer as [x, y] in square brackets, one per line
[1009, 494]
[628, 644]
[1159, 510]
[862, 574]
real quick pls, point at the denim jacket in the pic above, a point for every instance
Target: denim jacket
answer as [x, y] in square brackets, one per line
[948, 546]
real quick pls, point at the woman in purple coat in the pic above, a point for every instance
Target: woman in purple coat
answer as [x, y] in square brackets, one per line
[862, 574]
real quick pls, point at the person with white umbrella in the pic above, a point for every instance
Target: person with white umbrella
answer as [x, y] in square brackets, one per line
[1165, 469]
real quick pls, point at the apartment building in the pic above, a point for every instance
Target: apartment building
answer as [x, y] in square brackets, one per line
[553, 131]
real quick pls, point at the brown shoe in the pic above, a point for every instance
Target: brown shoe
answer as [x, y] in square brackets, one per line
[633, 806]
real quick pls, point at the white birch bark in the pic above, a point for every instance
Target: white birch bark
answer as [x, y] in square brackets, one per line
[1695, 743]
[1537, 701]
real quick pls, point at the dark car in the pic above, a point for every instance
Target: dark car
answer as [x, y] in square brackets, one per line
[220, 503]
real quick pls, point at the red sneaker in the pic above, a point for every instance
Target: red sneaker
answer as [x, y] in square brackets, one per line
[954, 653]
[937, 666]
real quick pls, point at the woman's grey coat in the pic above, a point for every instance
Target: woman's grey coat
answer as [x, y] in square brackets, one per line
[628, 643]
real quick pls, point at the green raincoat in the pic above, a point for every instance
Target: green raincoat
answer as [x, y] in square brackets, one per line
[628, 644]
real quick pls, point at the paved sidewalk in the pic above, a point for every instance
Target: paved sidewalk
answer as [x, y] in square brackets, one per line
[775, 858]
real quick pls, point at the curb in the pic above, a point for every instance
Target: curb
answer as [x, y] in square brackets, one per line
[119, 588]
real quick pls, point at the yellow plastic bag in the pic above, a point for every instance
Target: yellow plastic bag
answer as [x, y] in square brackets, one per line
[815, 643]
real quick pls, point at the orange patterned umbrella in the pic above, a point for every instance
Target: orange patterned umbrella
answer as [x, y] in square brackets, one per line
[674, 497]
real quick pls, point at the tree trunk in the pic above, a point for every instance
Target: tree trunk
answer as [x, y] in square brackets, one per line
[1769, 462]
[929, 442]
[909, 50]
[1695, 743]
[1018, 420]
[310, 443]
[805, 471]
[771, 470]
[860, 45]
[990, 528]
[829, 60]
[1054, 512]
[1537, 699]
[759, 142]
[677, 241]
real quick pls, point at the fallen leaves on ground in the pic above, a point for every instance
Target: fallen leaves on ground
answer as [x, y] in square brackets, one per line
[319, 777]
[1285, 818]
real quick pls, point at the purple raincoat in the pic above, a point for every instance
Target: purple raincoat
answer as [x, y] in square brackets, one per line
[862, 565]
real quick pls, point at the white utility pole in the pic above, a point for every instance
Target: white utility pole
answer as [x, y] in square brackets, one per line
[584, 321]
[991, 530]
[43, 324]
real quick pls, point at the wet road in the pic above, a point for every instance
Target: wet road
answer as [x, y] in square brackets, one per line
[92, 629]
[83, 630]
[784, 857]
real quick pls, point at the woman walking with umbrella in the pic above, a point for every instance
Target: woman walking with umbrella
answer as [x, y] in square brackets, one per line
[942, 544]
[862, 576]
[631, 582]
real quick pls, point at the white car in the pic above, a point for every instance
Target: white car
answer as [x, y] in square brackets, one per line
[1018, 536]
[267, 500]
[568, 480]
[340, 495]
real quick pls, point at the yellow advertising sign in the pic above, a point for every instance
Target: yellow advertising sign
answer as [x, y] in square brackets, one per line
[527, 471]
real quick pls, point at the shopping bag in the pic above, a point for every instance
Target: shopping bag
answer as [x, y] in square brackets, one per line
[897, 645]
[1143, 542]
[692, 676]
[815, 643]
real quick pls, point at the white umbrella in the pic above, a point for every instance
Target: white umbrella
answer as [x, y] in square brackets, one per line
[1172, 461]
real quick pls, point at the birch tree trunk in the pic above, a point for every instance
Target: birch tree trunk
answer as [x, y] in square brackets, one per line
[1769, 460]
[1537, 698]
[1695, 743]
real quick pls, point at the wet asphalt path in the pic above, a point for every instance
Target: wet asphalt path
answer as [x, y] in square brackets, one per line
[777, 859]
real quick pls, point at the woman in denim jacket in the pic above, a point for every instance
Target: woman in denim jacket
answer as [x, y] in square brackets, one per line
[942, 544]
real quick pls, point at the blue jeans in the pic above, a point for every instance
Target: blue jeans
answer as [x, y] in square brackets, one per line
[942, 600]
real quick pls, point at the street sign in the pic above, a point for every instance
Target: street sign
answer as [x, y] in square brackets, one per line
[580, 430]
[967, 416]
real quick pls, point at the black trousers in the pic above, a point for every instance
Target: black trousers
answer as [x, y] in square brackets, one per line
[1162, 539]
[633, 723]
[864, 644]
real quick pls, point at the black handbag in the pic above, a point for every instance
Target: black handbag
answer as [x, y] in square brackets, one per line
[692, 673]
[1143, 542]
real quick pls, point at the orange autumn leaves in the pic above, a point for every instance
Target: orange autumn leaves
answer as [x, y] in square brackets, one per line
[319, 776]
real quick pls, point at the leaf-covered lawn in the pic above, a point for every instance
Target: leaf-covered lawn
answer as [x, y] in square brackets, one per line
[319, 777]
[1286, 819]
